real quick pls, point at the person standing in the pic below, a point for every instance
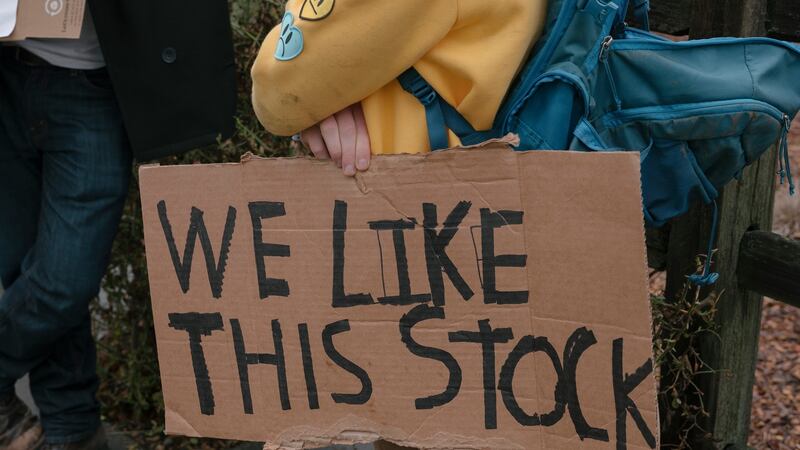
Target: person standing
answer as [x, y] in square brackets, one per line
[329, 73]
[146, 79]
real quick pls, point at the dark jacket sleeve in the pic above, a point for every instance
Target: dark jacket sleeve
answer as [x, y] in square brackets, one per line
[172, 67]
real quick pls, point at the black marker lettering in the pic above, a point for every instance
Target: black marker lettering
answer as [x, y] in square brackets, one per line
[267, 286]
[530, 344]
[340, 299]
[199, 325]
[366, 384]
[197, 228]
[308, 366]
[409, 320]
[405, 296]
[624, 384]
[435, 251]
[487, 338]
[578, 343]
[489, 222]
[244, 360]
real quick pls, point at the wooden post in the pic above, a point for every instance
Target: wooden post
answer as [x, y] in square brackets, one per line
[744, 205]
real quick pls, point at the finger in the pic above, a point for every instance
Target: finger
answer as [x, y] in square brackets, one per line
[348, 138]
[312, 138]
[330, 134]
[363, 147]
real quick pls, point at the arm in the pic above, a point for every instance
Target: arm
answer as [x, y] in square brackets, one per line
[355, 50]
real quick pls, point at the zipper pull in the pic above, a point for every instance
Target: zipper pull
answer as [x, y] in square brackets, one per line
[605, 47]
[707, 277]
[783, 155]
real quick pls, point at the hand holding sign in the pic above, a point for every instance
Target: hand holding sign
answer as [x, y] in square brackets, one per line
[343, 138]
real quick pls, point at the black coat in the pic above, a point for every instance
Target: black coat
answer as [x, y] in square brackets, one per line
[172, 67]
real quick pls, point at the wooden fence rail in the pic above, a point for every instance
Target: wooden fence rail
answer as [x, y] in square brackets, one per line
[770, 265]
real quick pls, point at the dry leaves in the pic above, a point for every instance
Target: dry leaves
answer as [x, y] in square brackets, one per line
[775, 421]
[776, 394]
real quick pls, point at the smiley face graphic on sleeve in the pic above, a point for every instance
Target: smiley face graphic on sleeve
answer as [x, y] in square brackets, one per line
[290, 43]
[314, 10]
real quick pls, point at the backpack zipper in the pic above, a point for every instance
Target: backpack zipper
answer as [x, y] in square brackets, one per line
[664, 112]
[605, 47]
[604, 59]
[666, 44]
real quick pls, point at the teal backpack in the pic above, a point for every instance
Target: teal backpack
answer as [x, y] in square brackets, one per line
[698, 111]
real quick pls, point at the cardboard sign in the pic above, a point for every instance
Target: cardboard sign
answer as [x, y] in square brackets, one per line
[469, 299]
[46, 19]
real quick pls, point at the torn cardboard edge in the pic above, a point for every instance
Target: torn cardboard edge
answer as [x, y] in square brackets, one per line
[353, 430]
[508, 141]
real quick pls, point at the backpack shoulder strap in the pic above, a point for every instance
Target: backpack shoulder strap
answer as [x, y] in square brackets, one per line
[439, 115]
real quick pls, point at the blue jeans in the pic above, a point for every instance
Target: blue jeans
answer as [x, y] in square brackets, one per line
[65, 165]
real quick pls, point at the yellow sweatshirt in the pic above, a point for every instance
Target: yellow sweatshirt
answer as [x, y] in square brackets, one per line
[329, 54]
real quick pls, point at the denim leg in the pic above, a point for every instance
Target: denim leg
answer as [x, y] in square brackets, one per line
[86, 165]
[64, 387]
[20, 190]
[20, 183]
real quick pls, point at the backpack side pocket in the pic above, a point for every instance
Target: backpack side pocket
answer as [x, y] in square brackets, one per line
[545, 117]
[694, 149]
[671, 180]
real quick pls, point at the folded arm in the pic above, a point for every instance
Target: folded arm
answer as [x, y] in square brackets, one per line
[359, 47]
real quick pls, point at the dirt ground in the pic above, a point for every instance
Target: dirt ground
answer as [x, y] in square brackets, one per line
[776, 394]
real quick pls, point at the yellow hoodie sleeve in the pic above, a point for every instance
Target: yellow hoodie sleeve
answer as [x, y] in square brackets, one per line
[329, 54]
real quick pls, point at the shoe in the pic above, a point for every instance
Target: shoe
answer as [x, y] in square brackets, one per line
[19, 428]
[98, 441]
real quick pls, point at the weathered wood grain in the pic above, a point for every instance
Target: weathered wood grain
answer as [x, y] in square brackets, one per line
[770, 265]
